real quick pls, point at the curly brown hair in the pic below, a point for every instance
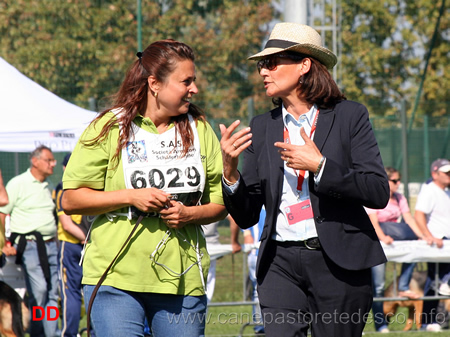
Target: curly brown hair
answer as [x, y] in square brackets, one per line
[159, 59]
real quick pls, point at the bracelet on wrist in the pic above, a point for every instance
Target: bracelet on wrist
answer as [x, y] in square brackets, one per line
[320, 166]
[229, 183]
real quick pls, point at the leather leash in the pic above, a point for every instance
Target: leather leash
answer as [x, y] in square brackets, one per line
[100, 281]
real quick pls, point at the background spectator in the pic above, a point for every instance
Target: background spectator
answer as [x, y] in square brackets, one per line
[72, 231]
[211, 233]
[33, 235]
[394, 222]
[432, 214]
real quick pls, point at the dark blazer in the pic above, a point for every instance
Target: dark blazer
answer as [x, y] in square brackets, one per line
[353, 177]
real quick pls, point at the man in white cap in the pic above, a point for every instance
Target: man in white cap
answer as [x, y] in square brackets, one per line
[432, 214]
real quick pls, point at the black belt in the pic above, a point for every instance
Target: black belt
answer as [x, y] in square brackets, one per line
[46, 241]
[311, 243]
[41, 249]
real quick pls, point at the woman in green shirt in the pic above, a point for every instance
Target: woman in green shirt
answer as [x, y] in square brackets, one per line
[152, 154]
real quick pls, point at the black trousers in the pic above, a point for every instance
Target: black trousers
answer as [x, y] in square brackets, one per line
[304, 289]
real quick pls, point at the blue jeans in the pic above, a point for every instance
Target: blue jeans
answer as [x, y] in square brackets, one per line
[118, 313]
[405, 276]
[398, 230]
[39, 294]
[378, 282]
[401, 231]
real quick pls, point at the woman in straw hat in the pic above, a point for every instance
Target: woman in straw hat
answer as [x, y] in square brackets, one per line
[314, 163]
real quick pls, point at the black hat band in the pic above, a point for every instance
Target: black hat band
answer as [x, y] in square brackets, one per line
[279, 44]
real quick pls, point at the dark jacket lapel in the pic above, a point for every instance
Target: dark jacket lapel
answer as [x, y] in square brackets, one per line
[324, 123]
[274, 133]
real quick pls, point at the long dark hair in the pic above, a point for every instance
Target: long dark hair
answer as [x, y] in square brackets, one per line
[317, 86]
[159, 59]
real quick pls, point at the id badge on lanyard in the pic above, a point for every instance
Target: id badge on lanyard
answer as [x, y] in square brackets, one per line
[287, 139]
[299, 212]
[303, 210]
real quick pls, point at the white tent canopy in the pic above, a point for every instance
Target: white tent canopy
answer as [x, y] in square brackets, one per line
[31, 115]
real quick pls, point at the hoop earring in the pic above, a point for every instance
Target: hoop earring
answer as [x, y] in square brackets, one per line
[300, 80]
[155, 94]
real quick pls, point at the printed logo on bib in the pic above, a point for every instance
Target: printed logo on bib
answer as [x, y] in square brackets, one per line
[136, 151]
[171, 144]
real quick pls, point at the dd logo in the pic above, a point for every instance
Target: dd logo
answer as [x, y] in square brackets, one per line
[50, 310]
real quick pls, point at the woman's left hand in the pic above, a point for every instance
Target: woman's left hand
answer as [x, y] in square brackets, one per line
[176, 215]
[300, 157]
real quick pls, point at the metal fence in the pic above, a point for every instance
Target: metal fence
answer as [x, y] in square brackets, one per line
[424, 144]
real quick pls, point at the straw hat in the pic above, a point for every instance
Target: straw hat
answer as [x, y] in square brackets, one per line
[288, 36]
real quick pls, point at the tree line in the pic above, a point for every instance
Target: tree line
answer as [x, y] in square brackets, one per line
[80, 49]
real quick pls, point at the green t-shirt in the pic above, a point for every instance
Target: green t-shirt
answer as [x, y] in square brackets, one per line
[30, 205]
[93, 167]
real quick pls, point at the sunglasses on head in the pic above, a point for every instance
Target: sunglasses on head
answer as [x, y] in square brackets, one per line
[271, 62]
[395, 181]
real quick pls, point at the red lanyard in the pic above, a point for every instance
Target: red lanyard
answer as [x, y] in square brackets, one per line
[301, 173]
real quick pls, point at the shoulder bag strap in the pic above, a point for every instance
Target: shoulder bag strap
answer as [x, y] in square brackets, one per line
[100, 281]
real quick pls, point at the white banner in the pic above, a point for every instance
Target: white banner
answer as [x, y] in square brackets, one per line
[58, 141]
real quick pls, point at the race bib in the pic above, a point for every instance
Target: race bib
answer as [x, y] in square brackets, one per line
[156, 160]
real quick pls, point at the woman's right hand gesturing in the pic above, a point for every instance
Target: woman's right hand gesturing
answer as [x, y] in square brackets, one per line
[232, 146]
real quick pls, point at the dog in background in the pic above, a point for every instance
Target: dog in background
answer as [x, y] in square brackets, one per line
[14, 315]
[415, 307]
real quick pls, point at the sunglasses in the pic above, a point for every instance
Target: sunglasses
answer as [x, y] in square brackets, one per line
[49, 161]
[395, 181]
[271, 63]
